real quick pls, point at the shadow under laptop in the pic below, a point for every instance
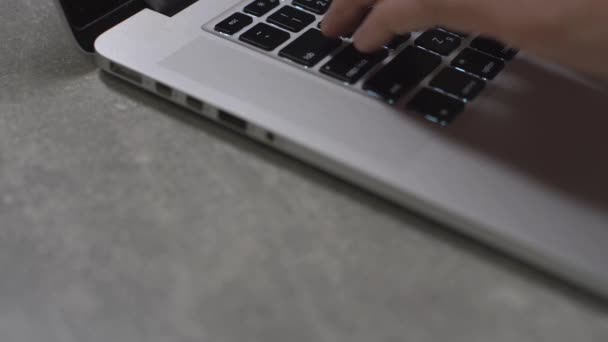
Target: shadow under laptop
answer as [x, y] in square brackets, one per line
[322, 179]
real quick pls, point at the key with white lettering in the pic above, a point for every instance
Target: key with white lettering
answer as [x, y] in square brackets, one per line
[349, 65]
[478, 63]
[233, 23]
[458, 83]
[291, 19]
[265, 37]
[261, 7]
[439, 42]
[315, 6]
[402, 74]
[310, 48]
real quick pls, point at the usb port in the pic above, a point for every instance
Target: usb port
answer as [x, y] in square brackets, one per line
[126, 73]
[164, 90]
[194, 103]
[231, 120]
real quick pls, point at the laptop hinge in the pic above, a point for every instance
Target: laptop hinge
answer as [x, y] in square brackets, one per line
[86, 25]
[169, 7]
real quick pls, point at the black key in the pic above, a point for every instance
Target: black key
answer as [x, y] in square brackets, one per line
[458, 83]
[438, 41]
[233, 23]
[398, 41]
[494, 48]
[261, 7]
[435, 106]
[315, 6]
[402, 73]
[265, 37]
[310, 48]
[456, 33]
[349, 65]
[478, 64]
[291, 18]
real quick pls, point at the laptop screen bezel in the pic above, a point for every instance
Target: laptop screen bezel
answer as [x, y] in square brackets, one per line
[97, 21]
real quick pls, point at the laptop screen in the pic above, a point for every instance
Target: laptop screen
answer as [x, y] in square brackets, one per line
[80, 13]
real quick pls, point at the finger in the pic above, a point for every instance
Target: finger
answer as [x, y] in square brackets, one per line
[392, 17]
[344, 16]
[376, 30]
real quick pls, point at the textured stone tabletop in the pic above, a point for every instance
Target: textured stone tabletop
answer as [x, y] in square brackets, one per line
[125, 218]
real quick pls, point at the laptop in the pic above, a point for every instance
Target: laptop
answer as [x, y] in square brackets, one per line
[487, 140]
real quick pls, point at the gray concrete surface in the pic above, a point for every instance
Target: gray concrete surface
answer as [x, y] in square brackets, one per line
[124, 218]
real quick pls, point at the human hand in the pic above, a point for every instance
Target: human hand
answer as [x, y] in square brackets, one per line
[570, 32]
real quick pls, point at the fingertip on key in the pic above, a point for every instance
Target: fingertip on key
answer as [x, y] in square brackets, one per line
[364, 44]
[329, 30]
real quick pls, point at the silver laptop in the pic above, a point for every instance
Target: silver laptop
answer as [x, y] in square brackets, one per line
[470, 132]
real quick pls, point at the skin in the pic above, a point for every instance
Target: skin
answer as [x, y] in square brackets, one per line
[570, 32]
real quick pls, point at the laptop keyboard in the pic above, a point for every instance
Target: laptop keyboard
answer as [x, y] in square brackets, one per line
[434, 73]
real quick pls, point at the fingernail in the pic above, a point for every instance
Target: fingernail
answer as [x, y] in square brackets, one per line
[361, 43]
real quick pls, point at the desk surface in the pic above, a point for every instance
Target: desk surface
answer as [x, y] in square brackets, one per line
[124, 218]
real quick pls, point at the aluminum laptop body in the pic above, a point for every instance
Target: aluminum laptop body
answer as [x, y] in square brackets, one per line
[522, 167]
